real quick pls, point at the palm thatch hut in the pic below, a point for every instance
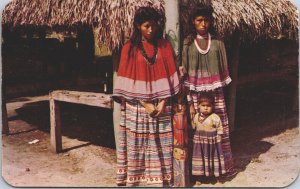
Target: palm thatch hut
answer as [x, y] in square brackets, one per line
[235, 20]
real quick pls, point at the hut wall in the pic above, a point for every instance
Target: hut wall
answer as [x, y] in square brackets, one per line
[267, 56]
[267, 81]
[33, 66]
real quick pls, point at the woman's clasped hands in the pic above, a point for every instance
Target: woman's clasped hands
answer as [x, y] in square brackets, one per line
[154, 111]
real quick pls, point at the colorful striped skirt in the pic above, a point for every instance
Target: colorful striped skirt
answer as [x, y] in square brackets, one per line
[220, 109]
[208, 157]
[144, 156]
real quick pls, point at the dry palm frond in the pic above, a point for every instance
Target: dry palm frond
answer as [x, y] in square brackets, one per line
[112, 19]
[253, 18]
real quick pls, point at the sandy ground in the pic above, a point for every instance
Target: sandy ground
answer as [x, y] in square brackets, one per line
[265, 146]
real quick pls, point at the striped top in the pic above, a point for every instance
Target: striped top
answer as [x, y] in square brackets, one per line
[138, 80]
[205, 71]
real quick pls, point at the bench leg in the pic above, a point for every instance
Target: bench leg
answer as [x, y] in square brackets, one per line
[5, 127]
[55, 130]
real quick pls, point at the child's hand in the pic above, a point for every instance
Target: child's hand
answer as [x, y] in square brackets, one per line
[182, 71]
[193, 125]
[192, 111]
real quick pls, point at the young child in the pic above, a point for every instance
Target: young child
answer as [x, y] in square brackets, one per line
[208, 158]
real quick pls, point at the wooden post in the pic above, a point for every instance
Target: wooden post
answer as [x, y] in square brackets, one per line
[173, 27]
[236, 42]
[5, 127]
[181, 170]
[55, 122]
[116, 106]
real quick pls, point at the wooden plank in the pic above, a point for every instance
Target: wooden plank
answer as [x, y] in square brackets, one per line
[87, 98]
[55, 123]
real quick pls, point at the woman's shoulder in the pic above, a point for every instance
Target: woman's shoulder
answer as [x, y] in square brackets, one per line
[217, 38]
[163, 42]
[127, 44]
[188, 40]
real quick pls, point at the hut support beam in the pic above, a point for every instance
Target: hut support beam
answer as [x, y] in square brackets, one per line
[173, 26]
[234, 76]
[116, 106]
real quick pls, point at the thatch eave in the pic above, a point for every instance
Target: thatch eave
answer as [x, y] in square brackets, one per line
[112, 20]
[254, 19]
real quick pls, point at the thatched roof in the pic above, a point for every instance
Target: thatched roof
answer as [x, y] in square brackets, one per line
[113, 18]
[253, 18]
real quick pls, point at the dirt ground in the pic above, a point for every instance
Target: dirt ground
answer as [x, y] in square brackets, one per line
[265, 142]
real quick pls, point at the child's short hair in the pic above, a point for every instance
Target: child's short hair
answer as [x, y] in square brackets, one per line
[206, 97]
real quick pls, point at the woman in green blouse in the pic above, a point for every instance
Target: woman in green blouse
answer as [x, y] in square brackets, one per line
[205, 63]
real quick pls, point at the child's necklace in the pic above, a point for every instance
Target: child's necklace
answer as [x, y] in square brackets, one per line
[202, 117]
[205, 51]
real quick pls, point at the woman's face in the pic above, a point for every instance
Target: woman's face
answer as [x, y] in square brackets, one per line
[148, 29]
[201, 24]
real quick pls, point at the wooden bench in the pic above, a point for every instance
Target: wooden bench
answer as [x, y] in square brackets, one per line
[87, 98]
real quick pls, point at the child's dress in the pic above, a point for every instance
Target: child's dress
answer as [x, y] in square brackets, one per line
[208, 157]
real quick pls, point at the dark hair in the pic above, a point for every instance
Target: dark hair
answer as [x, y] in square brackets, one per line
[200, 11]
[206, 97]
[142, 15]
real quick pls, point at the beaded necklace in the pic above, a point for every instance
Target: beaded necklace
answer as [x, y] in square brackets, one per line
[149, 60]
[205, 51]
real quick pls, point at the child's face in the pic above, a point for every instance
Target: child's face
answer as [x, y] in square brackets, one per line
[205, 108]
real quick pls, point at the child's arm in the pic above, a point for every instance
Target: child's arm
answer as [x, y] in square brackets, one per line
[191, 107]
[219, 126]
[194, 121]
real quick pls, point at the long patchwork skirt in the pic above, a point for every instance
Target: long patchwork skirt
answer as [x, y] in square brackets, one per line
[144, 156]
[220, 109]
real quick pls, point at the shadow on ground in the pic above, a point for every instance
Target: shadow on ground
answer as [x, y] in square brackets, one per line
[85, 123]
[263, 110]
